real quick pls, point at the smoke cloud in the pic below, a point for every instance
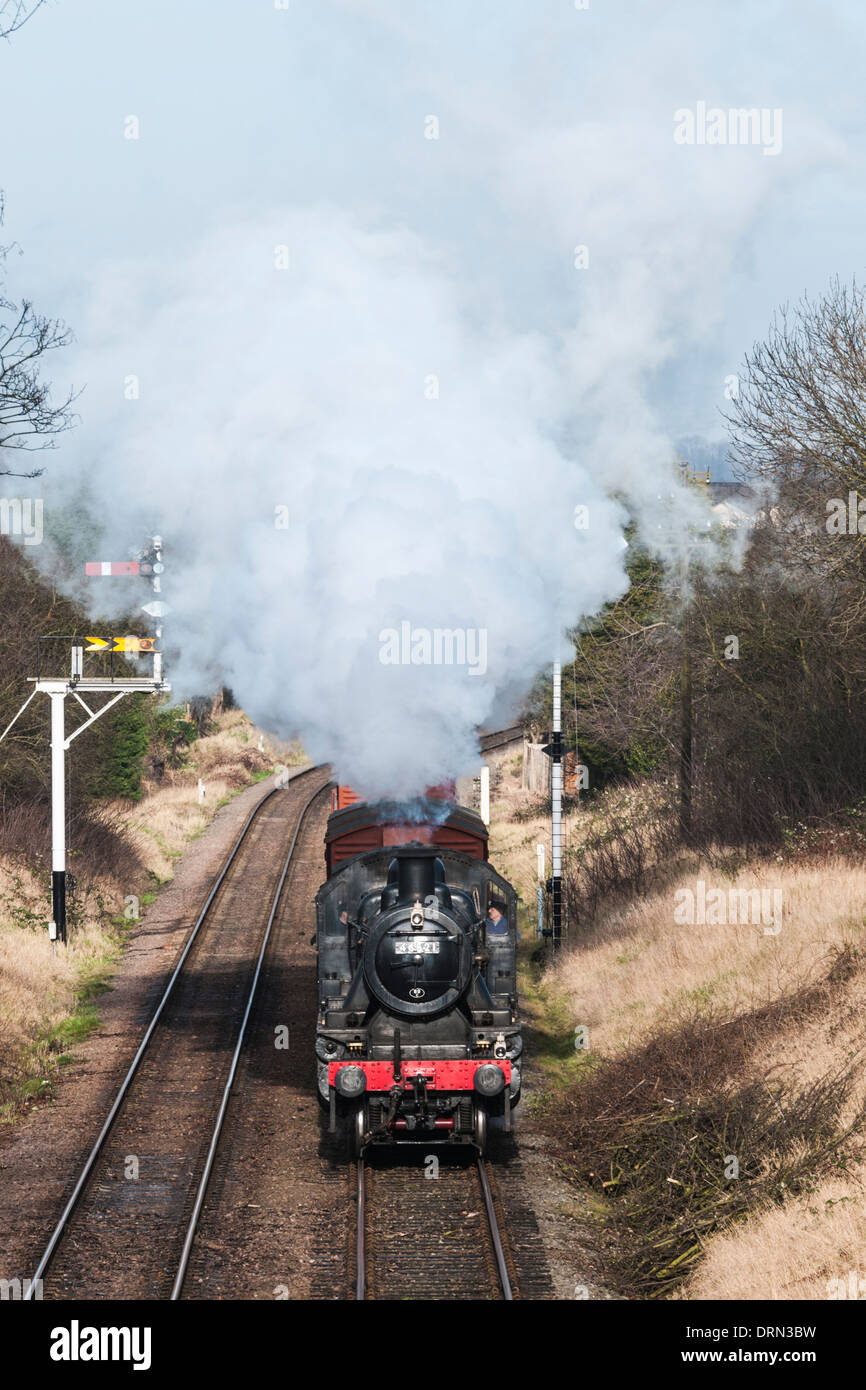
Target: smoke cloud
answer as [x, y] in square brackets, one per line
[367, 515]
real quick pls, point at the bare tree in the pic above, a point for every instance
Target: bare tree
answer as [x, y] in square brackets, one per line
[14, 13]
[751, 678]
[28, 417]
[800, 414]
[799, 424]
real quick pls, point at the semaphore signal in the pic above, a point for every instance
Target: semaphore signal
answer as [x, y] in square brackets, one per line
[76, 684]
[108, 567]
[121, 644]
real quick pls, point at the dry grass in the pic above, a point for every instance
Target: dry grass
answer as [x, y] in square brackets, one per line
[171, 814]
[159, 826]
[654, 1130]
[513, 849]
[45, 998]
[729, 1016]
[806, 1249]
[707, 1039]
[36, 985]
[639, 970]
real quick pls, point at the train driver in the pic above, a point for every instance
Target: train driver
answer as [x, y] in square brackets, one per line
[497, 922]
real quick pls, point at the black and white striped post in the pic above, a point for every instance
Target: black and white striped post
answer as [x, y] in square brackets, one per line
[556, 807]
[57, 925]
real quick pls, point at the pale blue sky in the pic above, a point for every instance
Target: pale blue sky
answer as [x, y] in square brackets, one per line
[245, 107]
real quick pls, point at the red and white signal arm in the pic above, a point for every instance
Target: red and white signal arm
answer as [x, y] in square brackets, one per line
[112, 567]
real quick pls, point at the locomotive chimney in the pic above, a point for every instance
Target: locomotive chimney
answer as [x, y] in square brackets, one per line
[416, 876]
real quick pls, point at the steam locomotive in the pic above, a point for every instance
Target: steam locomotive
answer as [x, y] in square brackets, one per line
[418, 1038]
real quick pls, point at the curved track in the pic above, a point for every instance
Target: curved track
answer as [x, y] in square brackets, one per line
[501, 737]
[129, 1224]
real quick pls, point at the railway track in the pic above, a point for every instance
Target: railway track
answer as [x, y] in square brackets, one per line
[129, 1224]
[501, 737]
[429, 1230]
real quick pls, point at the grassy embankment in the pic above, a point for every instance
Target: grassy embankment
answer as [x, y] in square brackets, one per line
[48, 1000]
[714, 1125]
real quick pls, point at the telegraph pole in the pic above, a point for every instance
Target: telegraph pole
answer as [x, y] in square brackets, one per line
[58, 815]
[556, 805]
[553, 749]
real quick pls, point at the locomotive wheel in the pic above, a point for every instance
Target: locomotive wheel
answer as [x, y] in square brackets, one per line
[357, 1129]
[479, 1128]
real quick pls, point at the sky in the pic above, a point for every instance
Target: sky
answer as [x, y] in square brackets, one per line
[247, 107]
[506, 290]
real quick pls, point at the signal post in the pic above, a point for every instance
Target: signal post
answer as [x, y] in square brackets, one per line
[77, 684]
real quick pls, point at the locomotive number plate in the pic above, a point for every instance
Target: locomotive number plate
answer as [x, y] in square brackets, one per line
[417, 946]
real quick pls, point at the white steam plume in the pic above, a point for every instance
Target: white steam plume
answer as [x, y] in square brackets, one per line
[313, 389]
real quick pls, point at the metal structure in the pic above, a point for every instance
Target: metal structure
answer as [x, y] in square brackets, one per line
[556, 808]
[109, 682]
[485, 793]
[58, 690]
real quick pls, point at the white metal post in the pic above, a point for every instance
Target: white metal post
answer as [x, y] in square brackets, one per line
[485, 793]
[157, 588]
[57, 928]
[77, 684]
[556, 804]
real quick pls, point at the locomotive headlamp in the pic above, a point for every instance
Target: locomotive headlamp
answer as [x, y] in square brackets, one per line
[351, 1081]
[416, 916]
[489, 1080]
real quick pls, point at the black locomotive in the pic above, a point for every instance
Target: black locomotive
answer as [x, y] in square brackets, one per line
[418, 1036]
